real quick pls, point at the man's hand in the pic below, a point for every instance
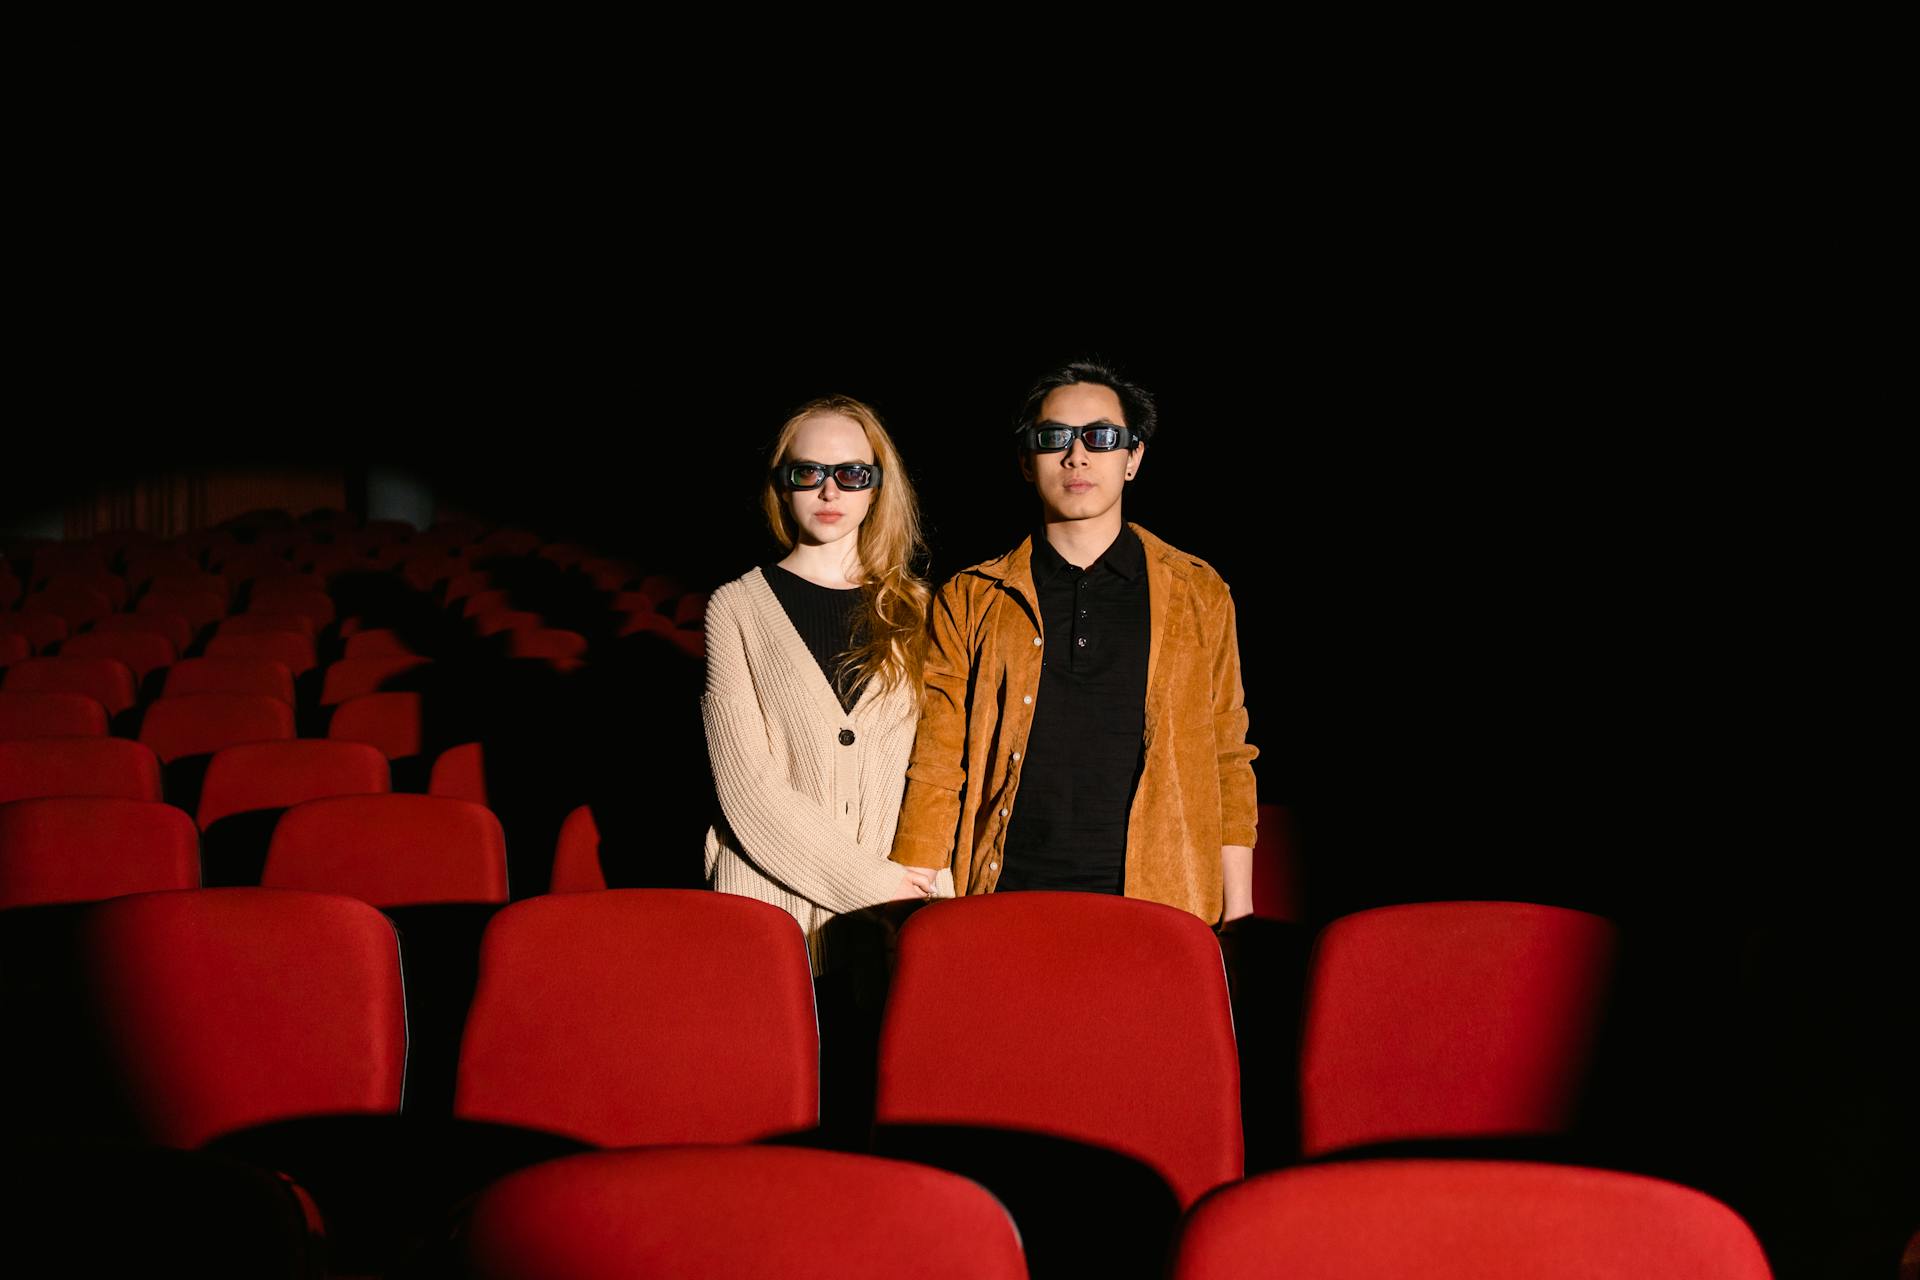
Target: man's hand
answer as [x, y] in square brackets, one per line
[1236, 869]
[916, 883]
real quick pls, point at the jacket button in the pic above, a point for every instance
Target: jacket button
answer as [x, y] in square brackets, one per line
[1016, 755]
[1037, 642]
[846, 737]
[1028, 698]
[1003, 813]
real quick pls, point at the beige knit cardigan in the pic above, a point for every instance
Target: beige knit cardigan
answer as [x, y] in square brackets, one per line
[807, 819]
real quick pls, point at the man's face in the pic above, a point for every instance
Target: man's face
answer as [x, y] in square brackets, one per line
[1078, 484]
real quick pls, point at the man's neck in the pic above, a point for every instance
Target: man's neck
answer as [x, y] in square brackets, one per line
[1081, 542]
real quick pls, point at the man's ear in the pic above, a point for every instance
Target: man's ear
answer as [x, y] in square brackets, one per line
[1138, 451]
[1026, 465]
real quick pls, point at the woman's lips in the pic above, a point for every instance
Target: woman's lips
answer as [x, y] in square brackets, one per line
[828, 516]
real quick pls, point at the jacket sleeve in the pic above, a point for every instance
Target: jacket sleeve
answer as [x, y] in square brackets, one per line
[1239, 808]
[937, 771]
[789, 835]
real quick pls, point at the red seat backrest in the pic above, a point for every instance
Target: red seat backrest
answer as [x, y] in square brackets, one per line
[50, 715]
[78, 767]
[107, 681]
[199, 724]
[351, 677]
[576, 856]
[390, 850]
[142, 651]
[230, 675]
[80, 848]
[279, 775]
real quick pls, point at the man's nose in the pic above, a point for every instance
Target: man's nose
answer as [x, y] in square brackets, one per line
[1076, 454]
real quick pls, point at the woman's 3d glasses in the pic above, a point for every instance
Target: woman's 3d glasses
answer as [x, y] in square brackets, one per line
[1098, 437]
[811, 475]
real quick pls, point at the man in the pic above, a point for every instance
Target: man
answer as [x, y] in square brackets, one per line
[1083, 725]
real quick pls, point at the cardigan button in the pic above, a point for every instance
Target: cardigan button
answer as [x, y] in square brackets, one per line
[846, 737]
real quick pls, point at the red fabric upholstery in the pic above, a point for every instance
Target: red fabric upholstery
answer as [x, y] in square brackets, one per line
[262, 676]
[289, 648]
[389, 721]
[78, 767]
[466, 584]
[199, 724]
[279, 775]
[40, 629]
[492, 624]
[378, 642]
[67, 558]
[1450, 1019]
[110, 585]
[187, 582]
[1276, 868]
[576, 857]
[177, 630]
[141, 651]
[144, 564]
[351, 677]
[1098, 1019]
[739, 1213]
[253, 624]
[545, 642]
[50, 715]
[1464, 1220]
[107, 681]
[200, 608]
[643, 1016]
[317, 605]
[14, 647]
[460, 772]
[227, 1008]
[78, 605]
[77, 849]
[690, 609]
[492, 601]
[390, 850]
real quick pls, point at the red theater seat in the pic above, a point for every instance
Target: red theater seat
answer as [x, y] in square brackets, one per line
[317, 605]
[222, 1009]
[50, 715]
[389, 721]
[199, 724]
[143, 652]
[493, 601]
[1096, 1019]
[641, 1016]
[289, 648]
[492, 624]
[390, 850]
[110, 585]
[1464, 1220]
[279, 775]
[262, 676]
[78, 767]
[253, 624]
[738, 1213]
[42, 630]
[78, 849]
[576, 858]
[545, 642]
[460, 772]
[378, 642]
[177, 630]
[352, 677]
[200, 608]
[1448, 1020]
[78, 605]
[107, 681]
[14, 648]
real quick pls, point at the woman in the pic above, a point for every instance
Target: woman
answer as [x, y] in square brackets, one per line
[813, 680]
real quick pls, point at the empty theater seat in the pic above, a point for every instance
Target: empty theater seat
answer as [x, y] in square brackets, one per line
[390, 850]
[576, 856]
[264, 676]
[42, 630]
[177, 630]
[1464, 1220]
[14, 647]
[641, 1016]
[1070, 1003]
[460, 772]
[107, 681]
[1449, 1020]
[222, 1009]
[143, 652]
[198, 724]
[50, 715]
[77, 849]
[279, 775]
[78, 767]
[391, 722]
[738, 1213]
[351, 677]
[291, 649]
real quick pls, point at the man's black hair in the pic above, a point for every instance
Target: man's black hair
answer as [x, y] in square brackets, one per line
[1135, 401]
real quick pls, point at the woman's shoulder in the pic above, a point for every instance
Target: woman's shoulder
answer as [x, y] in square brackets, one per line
[741, 593]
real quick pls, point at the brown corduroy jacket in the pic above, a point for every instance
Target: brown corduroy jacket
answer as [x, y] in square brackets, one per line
[1196, 790]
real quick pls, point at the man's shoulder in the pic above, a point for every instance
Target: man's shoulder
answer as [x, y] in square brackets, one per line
[987, 575]
[1183, 563]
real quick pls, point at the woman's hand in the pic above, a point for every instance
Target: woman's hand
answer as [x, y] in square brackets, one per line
[916, 883]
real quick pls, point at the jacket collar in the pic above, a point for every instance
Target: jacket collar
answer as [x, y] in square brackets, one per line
[1016, 567]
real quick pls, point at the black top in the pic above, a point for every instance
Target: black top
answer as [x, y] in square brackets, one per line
[1083, 755]
[826, 618]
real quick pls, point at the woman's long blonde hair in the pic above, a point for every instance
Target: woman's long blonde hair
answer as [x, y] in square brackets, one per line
[891, 632]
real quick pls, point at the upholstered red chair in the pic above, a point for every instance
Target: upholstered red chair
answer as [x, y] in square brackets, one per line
[460, 772]
[50, 715]
[199, 724]
[177, 630]
[576, 856]
[489, 601]
[42, 630]
[496, 621]
[290, 649]
[378, 642]
[390, 850]
[222, 1009]
[108, 584]
[1464, 1220]
[253, 624]
[351, 677]
[279, 775]
[738, 1213]
[546, 642]
[78, 767]
[201, 608]
[80, 848]
[14, 647]
[263, 676]
[390, 721]
[1097, 1019]
[107, 681]
[143, 652]
[642, 1016]
[317, 605]
[78, 605]
[1450, 1020]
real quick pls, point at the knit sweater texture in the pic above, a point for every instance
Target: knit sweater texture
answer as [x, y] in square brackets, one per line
[809, 793]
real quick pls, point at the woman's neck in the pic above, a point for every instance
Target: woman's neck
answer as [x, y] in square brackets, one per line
[834, 564]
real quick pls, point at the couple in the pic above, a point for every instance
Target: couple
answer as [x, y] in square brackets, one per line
[869, 737]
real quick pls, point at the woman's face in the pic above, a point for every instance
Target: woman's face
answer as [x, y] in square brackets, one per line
[829, 513]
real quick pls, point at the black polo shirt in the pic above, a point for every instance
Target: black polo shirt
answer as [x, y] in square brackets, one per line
[1084, 752]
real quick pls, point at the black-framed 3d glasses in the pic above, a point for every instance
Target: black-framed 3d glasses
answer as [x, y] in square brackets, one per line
[1056, 437]
[852, 476]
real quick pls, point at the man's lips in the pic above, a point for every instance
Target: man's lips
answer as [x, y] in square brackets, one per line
[1079, 486]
